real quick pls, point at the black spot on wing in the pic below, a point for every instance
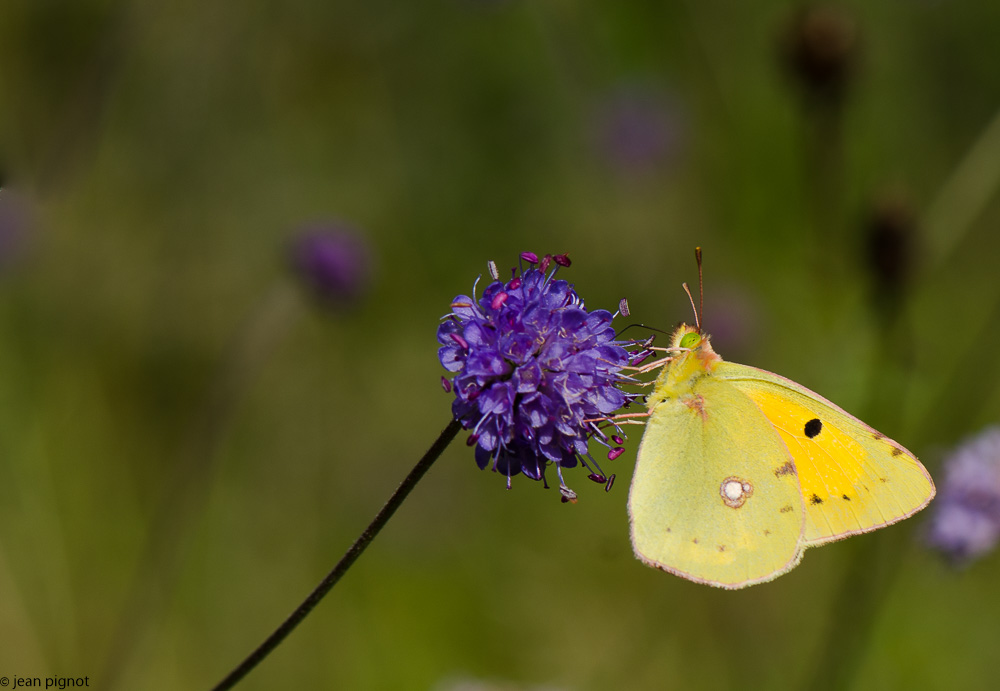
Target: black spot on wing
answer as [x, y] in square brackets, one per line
[695, 541]
[785, 509]
[766, 531]
[722, 548]
[846, 498]
[814, 499]
[813, 427]
[896, 451]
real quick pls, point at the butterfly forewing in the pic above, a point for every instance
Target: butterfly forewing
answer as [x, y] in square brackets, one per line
[715, 497]
[853, 479]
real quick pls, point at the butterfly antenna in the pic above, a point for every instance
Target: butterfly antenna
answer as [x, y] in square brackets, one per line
[640, 325]
[697, 319]
[701, 288]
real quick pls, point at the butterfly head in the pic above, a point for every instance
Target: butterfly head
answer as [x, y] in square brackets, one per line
[688, 339]
[693, 354]
[691, 357]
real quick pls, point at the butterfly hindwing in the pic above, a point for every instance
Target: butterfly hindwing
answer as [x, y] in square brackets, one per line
[853, 479]
[715, 497]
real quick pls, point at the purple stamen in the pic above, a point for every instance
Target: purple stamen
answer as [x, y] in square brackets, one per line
[615, 453]
[515, 283]
[623, 307]
[446, 384]
[600, 479]
[641, 358]
[611, 483]
[498, 300]
[529, 257]
[562, 259]
[546, 262]
[460, 341]
[471, 441]
[598, 433]
[616, 439]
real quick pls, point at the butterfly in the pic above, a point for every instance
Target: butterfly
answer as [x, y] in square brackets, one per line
[740, 470]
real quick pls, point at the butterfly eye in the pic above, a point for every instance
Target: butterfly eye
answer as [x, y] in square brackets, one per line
[690, 340]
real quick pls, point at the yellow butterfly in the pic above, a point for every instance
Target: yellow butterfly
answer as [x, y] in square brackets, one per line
[740, 470]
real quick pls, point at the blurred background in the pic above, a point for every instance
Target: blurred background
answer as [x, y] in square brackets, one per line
[201, 407]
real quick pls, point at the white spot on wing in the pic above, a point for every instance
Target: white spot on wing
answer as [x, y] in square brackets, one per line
[735, 491]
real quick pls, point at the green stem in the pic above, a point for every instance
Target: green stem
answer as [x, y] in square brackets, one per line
[872, 568]
[187, 489]
[965, 194]
[383, 516]
[873, 562]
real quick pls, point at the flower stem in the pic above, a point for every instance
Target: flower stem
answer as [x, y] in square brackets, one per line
[383, 516]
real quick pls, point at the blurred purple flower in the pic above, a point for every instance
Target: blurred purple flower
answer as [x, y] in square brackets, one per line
[639, 130]
[531, 365]
[733, 314]
[15, 225]
[334, 261]
[965, 524]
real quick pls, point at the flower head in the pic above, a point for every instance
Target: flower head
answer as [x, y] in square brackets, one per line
[333, 261]
[965, 524]
[533, 369]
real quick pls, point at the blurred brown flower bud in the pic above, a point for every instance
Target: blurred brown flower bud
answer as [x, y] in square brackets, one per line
[820, 49]
[891, 229]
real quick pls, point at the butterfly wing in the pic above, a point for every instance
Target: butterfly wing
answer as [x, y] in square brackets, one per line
[853, 478]
[714, 498]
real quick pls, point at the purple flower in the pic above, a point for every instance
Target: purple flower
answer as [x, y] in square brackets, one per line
[333, 261]
[531, 366]
[735, 316]
[15, 226]
[639, 130]
[965, 524]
